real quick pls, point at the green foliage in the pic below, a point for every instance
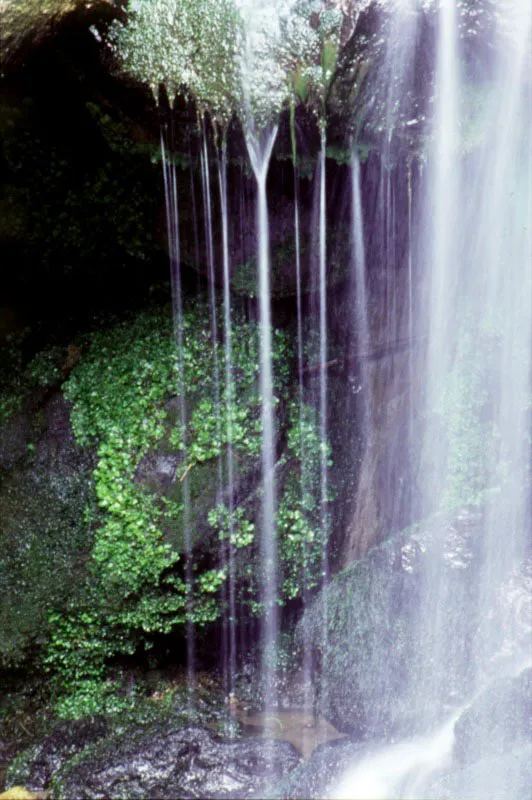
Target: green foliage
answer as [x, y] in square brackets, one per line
[19, 377]
[45, 368]
[12, 378]
[301, 538]
[121, 394]
[341, 155]
[234, 526]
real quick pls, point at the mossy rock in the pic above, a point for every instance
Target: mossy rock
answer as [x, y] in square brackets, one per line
[32, 21]
[372, 656]
[44, 541]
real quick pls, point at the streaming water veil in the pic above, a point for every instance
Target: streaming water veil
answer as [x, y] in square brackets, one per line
[260, 147]
[402, 767]
[172, 223]
[323, 406]
[474, 306]
[440, 254]
[229, 391]
[358, 267]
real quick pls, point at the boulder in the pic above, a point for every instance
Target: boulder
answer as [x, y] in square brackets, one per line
[317, 777]
[499, 721]
[490, 778]
[45, 488]
[386, 665]
[41, 761]
[167, 762]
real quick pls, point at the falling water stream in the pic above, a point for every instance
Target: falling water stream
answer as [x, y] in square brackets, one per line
[211, 274]
[475, 215]
[229, 399]
[260, 147]
[323, 350]
[172, 221]
[458, 280]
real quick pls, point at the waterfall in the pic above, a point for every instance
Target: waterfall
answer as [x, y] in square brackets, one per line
[229, 391]
[172, 223]
[439, 255]
[323, 354]
[211, 275]
[307, 654]
[404, 765]
[474, 307]
[359, 280]
[260, 146]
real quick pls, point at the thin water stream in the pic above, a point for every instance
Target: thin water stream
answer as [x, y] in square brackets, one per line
[172, 220]
[260, 147]
[229, 391]
[458, 279]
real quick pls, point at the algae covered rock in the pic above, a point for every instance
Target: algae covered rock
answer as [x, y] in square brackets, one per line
[36, 766]
[385, 665]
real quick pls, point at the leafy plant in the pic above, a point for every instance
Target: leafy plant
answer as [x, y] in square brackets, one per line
[121, 393]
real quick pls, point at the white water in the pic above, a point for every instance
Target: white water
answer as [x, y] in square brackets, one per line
[172, 222]
[358, 267]
[323, 351]
[399, 770]
[475, 251]
[307, 650]
[211, 274]
[260, 146]
[229, 400]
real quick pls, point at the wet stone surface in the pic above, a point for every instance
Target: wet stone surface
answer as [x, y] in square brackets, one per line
[318, 776]
[498, 722]
[187, 763]
[47, 757]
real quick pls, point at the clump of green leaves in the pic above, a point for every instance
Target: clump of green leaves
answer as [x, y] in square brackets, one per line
[301, 537]
[122, 394]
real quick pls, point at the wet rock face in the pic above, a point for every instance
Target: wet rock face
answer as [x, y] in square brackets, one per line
[29, 21]
[490, 778]
[498, 722]
[317, 777]
[188, 763]
[66, 740]
[385, 649]
[492, 754]
[44, 489]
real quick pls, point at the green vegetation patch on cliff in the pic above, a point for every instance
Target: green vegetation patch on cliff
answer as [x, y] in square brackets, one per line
[125, 403]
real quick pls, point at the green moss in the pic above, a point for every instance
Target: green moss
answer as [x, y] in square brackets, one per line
[44, 544]
[18, 772]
